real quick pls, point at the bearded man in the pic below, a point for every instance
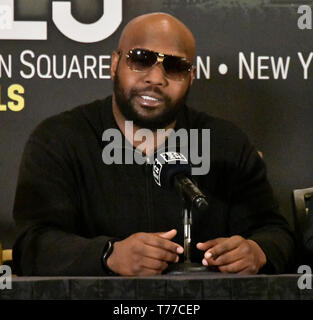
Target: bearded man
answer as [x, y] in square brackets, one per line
[81, 217]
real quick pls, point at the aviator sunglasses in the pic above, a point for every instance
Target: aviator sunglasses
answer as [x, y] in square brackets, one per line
[141, 60]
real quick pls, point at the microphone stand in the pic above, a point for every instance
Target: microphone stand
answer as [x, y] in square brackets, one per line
[187, 266]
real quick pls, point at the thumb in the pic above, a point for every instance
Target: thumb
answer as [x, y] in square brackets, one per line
[167, 235]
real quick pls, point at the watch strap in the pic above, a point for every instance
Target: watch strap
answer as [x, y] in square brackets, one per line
[107, 251]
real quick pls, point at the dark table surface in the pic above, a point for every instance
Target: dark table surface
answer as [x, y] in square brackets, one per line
[195, 286]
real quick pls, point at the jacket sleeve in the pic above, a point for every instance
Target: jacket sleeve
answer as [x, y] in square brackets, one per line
[254, 212]
[46, 212]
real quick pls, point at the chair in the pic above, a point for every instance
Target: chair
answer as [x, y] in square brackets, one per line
[303, 210]
[303, 201]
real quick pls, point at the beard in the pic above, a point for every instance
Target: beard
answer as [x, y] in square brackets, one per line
[125, 103]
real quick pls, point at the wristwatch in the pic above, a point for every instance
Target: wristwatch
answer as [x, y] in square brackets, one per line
[108, 249]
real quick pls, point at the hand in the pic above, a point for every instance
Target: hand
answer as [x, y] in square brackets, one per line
[144, 254]
[233, 255]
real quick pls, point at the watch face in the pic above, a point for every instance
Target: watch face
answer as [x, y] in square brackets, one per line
[6, 17]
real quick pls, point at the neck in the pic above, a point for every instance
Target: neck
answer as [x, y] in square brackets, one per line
[147, 141]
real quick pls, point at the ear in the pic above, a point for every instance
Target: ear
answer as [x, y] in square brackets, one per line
[114, 63]
[193, 75]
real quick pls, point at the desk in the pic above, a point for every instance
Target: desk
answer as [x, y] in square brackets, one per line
[196, 286]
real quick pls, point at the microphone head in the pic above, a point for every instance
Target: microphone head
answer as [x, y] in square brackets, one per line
[167, 165]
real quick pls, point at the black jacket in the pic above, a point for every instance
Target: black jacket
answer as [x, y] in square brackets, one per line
[69, 203]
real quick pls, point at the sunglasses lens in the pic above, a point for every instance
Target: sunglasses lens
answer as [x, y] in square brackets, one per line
[141, 60]
[176, 68]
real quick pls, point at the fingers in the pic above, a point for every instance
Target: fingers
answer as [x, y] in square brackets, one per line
[147, 266]
[241, 266]
[170, 235]
[234, 254]
[232, 261]
[161, 241]
[223, 259]
[223, 247]
[144, 253]
[219, 246]
[159, 254]
[209, 244]
[235, 267]
[154, 264]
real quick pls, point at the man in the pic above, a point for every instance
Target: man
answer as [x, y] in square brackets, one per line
[79, 216]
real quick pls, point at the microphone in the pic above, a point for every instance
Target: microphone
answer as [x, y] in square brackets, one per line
[172, 169]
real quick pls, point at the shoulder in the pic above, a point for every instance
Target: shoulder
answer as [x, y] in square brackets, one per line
[67, 125]
[229, 144]
[220, 129]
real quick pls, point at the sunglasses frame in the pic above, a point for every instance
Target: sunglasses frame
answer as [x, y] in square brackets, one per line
[160, 58]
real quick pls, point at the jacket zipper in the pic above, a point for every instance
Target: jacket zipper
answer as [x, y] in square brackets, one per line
[148, 177]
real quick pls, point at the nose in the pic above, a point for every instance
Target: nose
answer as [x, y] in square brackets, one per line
[156, 75]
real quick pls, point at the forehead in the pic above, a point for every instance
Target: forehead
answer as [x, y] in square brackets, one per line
[160, 40]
